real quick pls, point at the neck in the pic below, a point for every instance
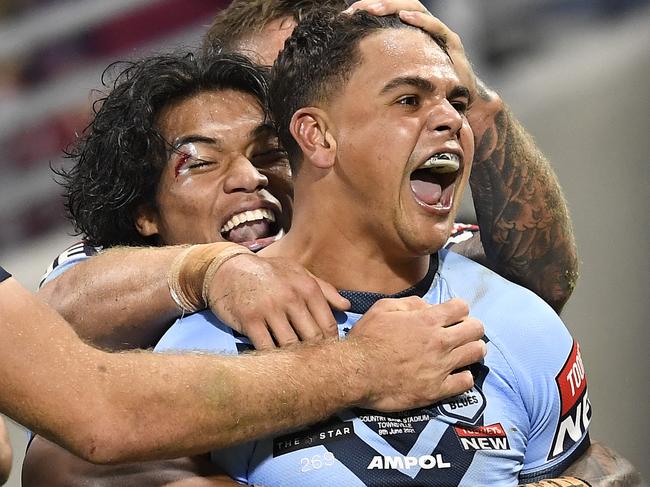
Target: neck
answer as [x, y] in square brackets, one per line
[336, 246]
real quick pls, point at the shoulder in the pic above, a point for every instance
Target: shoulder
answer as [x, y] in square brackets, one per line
[525, 330]
[70, 257]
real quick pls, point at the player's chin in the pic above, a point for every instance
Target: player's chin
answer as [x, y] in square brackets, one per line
[426, 238]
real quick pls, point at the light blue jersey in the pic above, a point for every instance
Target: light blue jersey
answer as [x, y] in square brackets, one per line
[525, 419]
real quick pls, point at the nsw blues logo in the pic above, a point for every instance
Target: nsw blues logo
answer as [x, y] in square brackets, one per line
[467, 407]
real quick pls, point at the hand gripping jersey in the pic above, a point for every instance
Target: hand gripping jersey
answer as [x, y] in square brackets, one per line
[525, 419]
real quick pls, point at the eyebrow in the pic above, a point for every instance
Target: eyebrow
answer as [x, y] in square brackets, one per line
[191, 138]
[259, 131]
[460, 91]
[423, 84]
[414, 81]
[263, 129]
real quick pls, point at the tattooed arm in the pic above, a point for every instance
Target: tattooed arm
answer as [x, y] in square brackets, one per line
[526, 232]
[599, 467]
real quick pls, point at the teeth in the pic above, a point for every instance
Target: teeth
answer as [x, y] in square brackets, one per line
[248, 216]
[443, 162]
[279, 235]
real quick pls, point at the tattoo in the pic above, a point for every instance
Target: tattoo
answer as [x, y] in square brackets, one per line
[560, 482]
[482, 91]
[603, 467]
[525, 228]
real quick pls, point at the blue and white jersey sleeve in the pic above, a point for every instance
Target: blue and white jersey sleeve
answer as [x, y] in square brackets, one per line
[546, 378]
[67, 259]
[549, 374]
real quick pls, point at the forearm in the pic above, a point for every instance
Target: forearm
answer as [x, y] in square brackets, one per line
[6, 455]
[599, 466]
[603, 467]
[525, 227]
[559, 482]
[125, 407]
[228, 400]
[118, 299]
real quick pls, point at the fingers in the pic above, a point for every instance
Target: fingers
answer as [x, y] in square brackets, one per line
[412, 12]
[282, 330]
[385, 7]
[260, 337]
[467, 354]
[456, 383]
[323, 318]
[306, 325]
[426, 22]
[332, 296]
[468, 330]
[412, 303]
[447, 313]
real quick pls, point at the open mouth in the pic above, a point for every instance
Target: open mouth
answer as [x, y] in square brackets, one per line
[432, 183]
[254, 229]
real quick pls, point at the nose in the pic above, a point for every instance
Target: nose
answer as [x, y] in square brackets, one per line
[244, 177]
[445, 118]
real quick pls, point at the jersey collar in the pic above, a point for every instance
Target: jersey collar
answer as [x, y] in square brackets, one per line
[361, 301]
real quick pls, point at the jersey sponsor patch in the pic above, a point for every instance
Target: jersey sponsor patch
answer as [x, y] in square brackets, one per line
[424, 462]
[490, 437]
[467, 407]
[575, 408]
[312, 437]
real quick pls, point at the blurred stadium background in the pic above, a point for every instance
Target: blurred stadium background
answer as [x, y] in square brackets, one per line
[576, 72]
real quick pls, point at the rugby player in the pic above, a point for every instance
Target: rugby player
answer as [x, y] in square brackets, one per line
[389, 249]
[339, 86]
[526, 229]
[208, 148]
[526, 234]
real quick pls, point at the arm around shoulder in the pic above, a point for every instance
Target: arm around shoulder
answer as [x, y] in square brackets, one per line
[102, 296]
[526, 231]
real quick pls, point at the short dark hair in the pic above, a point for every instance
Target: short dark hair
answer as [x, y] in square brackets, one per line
[119, 159]
[246, 17]
[317, 60]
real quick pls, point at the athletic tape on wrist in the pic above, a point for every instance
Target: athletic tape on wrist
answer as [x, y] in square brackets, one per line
[224, 256]
[173, 282]
[193, 270]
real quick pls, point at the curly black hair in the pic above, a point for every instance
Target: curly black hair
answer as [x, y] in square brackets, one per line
[119, 159]
[318, 59]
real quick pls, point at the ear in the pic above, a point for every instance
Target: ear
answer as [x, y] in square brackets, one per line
[146, 221]
[311, 128]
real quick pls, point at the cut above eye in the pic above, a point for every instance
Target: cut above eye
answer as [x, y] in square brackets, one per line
[186, 162]
[198, 163]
